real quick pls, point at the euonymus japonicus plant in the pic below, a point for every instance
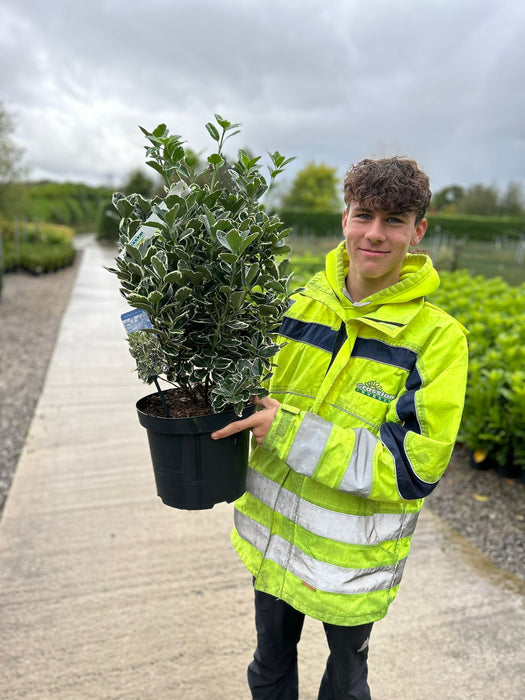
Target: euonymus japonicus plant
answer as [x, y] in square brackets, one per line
[207, 264]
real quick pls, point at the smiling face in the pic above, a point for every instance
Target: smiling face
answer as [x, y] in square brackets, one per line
[377, 242]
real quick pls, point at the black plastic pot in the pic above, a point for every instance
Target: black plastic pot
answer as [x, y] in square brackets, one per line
[192, 471]
[481, 465]
[509, 470]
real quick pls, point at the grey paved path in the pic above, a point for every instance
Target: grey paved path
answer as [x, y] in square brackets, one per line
[107, 593]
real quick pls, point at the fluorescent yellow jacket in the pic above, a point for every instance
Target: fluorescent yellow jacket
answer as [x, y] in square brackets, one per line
[371, 400]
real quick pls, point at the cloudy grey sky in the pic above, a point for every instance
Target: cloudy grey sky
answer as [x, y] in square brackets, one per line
[323, 80]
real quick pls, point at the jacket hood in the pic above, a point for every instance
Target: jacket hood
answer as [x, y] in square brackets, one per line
[388, 310]
[418, 279]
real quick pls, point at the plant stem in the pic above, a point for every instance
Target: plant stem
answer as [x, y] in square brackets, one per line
[162, 398]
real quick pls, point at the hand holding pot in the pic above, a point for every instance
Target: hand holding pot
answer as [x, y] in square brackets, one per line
[259, 422]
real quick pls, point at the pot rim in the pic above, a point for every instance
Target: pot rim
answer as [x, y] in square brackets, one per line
[206, 423]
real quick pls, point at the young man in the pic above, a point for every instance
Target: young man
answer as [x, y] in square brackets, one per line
[359, 425]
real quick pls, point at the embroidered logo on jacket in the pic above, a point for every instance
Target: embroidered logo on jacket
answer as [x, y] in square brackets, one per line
[375, 391]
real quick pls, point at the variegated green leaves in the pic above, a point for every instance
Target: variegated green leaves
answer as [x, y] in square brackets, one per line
[207, 264]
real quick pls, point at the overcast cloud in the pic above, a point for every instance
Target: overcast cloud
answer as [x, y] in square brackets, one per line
[323, 80]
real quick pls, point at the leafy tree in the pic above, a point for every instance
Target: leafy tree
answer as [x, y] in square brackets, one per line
[140, 183]
[512, 202]
[11, 169]
[446, 200]
[479, 199]
[314, 187]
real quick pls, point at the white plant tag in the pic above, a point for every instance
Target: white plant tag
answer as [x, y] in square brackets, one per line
[144, 233]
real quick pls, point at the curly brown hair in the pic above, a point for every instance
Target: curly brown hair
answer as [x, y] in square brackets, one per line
[391, 184]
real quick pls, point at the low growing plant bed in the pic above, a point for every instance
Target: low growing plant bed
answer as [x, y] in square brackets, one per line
[493, 424]
[38, 249]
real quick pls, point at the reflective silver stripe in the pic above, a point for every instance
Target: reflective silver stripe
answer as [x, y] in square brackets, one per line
[342, 527]
[308, 445]
[251, 531]
[310, 442]
[318, 574]
[358, 475]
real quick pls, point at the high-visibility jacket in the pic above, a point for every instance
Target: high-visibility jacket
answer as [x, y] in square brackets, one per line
[371, 400]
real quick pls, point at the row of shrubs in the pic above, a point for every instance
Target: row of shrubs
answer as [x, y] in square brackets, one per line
[480, 228]
[35, 248]
[37, 257]
[36, 231]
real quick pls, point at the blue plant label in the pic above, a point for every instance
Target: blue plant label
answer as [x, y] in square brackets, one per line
[135, 320]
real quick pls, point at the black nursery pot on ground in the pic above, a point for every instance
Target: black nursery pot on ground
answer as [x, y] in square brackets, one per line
[481, 462]
[192, 471]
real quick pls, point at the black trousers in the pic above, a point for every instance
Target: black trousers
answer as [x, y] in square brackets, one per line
[272, 675]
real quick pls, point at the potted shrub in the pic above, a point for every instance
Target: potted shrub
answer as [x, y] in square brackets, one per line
[203, 267]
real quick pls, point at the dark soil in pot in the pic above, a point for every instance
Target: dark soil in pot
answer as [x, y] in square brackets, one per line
[179, 404]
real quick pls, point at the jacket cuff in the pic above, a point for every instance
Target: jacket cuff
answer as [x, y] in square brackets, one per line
[282, 432]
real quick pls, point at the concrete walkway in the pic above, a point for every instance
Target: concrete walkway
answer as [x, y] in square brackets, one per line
[107, 593]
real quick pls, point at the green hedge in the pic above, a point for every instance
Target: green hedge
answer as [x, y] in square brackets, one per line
[6, 231]
[37, 257]
[64, 203]
[479, 228]
[312, 223]
[304, 267]
[493, 425]
[483, 228]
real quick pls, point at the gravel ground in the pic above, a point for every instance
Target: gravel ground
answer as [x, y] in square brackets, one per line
[31, 308]
[486, 509]
[483, 507]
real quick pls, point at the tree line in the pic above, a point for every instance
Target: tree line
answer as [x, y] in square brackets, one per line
[316, 187]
